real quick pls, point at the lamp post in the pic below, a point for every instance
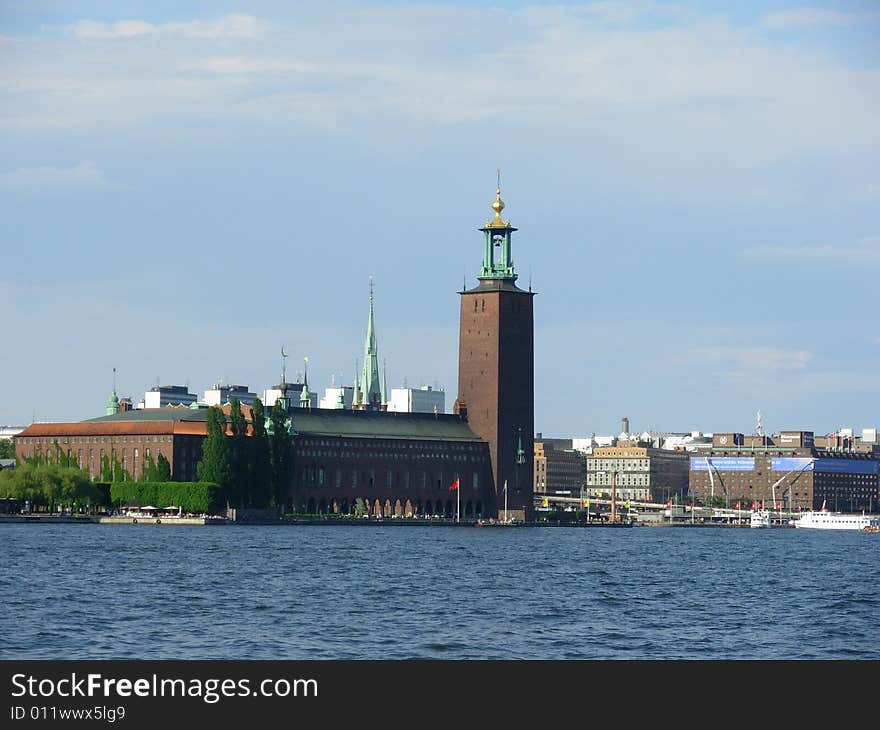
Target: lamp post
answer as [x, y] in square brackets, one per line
[520, 460]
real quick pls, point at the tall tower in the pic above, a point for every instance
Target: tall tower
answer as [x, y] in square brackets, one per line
[496, 356]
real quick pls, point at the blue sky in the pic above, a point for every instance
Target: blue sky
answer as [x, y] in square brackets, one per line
[185, 187]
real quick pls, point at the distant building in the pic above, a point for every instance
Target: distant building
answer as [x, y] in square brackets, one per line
[337, 398]
[160, 396]
[417, 400]
[293, 391]
[558, 470]
[220, 394]
[639, 472]
[693, 441]
[7, 432]
[800, 470]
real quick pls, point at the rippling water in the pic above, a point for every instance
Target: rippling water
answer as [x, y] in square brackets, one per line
[372, 592]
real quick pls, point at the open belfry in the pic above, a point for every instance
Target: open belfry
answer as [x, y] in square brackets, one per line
[496, 385]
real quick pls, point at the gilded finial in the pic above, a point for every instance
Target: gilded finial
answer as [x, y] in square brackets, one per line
[498, 206]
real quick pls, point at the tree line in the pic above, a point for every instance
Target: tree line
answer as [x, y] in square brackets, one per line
[252, 471]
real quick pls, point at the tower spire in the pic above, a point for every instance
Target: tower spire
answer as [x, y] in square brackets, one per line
[113, 401]
[497, 235]
[304, 400]
[283, 365]
[372, 388]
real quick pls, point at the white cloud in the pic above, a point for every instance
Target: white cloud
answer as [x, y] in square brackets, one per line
[81, 174]
[240, 65]
[811, 17]
[229, 26]
[739, 361]
[865, 250]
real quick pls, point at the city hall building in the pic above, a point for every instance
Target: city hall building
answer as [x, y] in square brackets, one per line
[360, 454]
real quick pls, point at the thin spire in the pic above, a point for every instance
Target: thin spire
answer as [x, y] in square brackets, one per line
[283, 365]
[114, 380]
[304, 400]
[384, 382]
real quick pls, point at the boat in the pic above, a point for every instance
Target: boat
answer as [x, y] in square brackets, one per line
[760, 518]
[824, 519]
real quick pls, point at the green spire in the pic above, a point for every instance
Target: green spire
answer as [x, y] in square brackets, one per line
[113, 401]
[356, 396]
[498, 234]
[372, 389]
[384, 383]
[520, 454]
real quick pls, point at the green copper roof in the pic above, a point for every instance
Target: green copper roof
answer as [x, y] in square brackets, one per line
[155, 414]
[332, 422]
[381, 424]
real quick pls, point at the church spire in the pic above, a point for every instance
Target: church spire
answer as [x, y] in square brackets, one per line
[372, 388]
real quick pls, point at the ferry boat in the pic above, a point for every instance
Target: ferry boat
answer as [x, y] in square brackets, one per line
[760, 518]
[824, 519]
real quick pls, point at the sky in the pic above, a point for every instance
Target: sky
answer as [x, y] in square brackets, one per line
[186, 187]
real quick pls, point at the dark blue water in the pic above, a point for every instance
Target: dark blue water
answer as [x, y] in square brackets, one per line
[145, 592]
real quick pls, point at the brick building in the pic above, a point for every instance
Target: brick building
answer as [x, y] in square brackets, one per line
[790, 467]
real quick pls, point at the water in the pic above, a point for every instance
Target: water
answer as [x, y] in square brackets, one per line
[369, 592]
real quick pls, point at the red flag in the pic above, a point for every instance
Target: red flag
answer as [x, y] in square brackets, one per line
[454, 485]
[736, 506]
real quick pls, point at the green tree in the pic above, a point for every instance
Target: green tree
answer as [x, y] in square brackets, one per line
[214, 466]
[360, 509]
[281, 454]
[239, 460]
[106, 469]
[260, 466]
[163, 469]
[7, 449]
[148, 473]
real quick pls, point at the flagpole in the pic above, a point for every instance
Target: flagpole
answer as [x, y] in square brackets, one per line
[457, 501]
[505, 501]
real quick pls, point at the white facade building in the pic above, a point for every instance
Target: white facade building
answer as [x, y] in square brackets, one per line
[331, 397]
[294, 391]
[417, 400]
[160, 396]
[219, 395]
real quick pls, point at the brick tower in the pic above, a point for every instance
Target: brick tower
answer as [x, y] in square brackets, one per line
[496, 357]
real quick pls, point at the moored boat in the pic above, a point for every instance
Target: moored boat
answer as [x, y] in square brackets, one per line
[760, 518]
[824, 519]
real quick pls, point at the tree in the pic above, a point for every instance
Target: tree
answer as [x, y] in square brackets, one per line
[7, 449]
[281, 454]
[163, 469]
[148, 473]
[214, 466]
[106, 470]
[261, 486]
[360, 509]
[239, 460]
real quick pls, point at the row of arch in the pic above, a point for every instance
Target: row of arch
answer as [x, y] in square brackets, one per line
[397, 508]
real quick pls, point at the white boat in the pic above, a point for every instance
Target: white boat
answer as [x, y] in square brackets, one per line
[760, 518]
[824, 519]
